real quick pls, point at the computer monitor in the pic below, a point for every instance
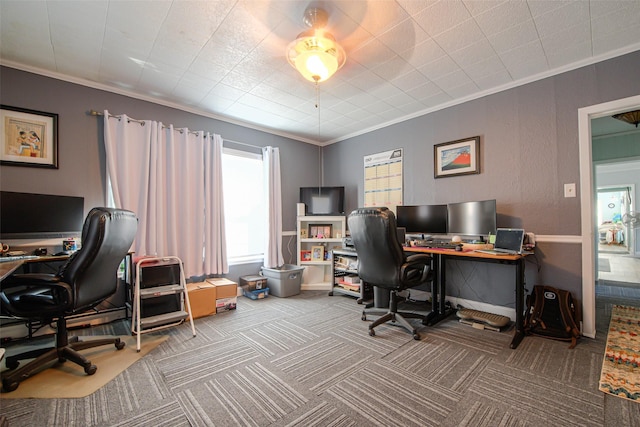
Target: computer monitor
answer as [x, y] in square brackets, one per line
[29, 215]
[322, 200]
[473, 219]
[422, 219]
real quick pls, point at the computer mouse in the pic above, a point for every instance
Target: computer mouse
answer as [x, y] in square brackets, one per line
[458, 248]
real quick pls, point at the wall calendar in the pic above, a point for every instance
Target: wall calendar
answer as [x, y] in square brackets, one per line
[383, 179]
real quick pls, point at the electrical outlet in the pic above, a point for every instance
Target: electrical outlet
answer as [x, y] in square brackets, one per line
[570, 190]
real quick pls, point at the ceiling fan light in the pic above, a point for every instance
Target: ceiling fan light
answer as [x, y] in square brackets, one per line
[316, 55]
[631, 117]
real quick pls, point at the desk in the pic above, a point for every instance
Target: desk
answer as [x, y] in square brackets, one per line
[7, 268]
[439, 311]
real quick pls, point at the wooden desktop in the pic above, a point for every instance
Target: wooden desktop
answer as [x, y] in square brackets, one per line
[439, 310]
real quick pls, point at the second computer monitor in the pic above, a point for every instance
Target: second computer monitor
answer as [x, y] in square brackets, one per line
[423, 219]
[475, 219]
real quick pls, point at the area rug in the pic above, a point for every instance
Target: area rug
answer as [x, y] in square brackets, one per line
[69, 380]
[604, 265]
[620, 368]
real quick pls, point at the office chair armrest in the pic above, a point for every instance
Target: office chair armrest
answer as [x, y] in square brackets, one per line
[30, 279]
[423, 258]
[416, 270]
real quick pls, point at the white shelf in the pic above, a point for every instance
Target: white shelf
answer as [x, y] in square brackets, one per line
[317, 275]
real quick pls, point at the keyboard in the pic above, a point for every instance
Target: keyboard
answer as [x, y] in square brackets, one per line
[17, 258]
[434, 244]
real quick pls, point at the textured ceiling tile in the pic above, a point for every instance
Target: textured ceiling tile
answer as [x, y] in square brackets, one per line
[494, 80]
[619, 20]
[438, 68]
[409, 81]
[476, 7]
[513, 37]
[460, 36]
[425, 91]
[25, 33]
[525, 61]
[406, 33]
[372, 54]
[495, 20]
[489, 66]
[473, 53]
[567, 16]
[570, 38]
[373, 15]
[442, 16]
[423, 53]
[562, 56]
[392, 69]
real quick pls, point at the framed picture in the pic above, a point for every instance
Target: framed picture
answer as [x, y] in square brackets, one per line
[305, 255]
[28, 138]
[317, 253]
[455, 158]
[320, 231]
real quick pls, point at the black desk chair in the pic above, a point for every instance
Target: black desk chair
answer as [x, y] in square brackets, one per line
[85, 280]
[383, 264]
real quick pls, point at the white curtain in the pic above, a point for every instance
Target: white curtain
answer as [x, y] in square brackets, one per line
[215, 251]
[273, 251]
[162, 174]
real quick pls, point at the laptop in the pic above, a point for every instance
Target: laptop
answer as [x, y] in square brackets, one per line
[508, 242]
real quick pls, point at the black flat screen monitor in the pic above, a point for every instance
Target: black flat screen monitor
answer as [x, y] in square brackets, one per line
[322, 200]
[422, 219]
[34, 216]
[476, 219]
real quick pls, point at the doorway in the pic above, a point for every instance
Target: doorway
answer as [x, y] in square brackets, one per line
[612, 204]
[589, 229]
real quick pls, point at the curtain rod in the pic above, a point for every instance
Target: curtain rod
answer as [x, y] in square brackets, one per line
[98, 113]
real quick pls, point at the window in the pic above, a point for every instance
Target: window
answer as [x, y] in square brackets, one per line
[244, 205]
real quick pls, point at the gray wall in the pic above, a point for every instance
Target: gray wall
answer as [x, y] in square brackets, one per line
[81, 150]
[529, 150]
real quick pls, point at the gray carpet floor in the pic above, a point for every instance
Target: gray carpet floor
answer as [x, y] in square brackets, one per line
[308, 360]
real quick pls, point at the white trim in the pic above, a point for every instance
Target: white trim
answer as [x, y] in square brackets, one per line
[558, 239]
[587, 202]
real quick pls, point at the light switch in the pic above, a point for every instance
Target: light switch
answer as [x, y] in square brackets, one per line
[570, 190]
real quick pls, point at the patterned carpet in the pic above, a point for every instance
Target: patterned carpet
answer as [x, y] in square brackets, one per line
[620, 371]
[308, 360]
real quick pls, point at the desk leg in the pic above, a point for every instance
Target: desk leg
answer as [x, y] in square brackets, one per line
[519, 333]
[439, 293]
[435, 284]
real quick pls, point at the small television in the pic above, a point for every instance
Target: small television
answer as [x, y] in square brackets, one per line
[475, 219]
[33, 216]
[322, 200]
[422, 219]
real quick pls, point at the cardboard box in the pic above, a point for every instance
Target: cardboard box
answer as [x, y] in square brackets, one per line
[202, 298]
[226, 294]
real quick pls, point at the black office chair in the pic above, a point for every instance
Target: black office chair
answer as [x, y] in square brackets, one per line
[383, 264]
[85, 280]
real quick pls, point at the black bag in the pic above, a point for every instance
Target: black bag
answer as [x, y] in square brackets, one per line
[551, 313]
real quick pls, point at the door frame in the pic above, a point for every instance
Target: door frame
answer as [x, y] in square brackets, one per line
[587, 205]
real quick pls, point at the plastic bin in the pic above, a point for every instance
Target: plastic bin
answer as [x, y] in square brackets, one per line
[283, 281]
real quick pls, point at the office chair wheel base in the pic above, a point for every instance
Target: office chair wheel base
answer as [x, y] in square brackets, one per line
[90, 370]
[372, 333]
[120, 344]
[8, 386]
[416, 337]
